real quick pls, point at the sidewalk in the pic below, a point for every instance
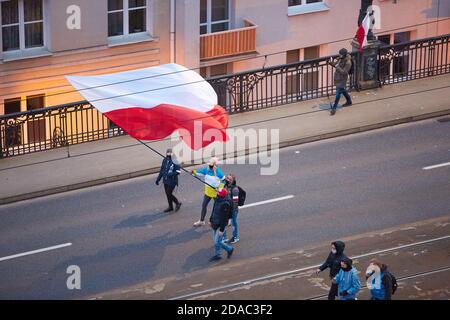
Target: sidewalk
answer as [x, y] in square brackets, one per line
[94, 163]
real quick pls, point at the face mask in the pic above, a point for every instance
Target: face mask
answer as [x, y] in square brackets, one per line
[169, 156]
[333, 251]
[210, 166]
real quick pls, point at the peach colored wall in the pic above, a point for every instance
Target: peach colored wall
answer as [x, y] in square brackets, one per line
[279, 32]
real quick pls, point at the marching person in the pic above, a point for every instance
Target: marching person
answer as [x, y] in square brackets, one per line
[169, 172]
[347, 280]
[218, 222]
[233, 193]
[213, 176]
[380, 282]
[334, 263]
[343, 68]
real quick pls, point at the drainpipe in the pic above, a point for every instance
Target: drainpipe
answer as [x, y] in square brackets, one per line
[173, 19]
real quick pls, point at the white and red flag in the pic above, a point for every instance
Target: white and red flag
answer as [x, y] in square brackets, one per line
[152, 103]
[363, 31]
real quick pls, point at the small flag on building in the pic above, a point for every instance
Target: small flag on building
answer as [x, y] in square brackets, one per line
[152, 103]
[363, 31]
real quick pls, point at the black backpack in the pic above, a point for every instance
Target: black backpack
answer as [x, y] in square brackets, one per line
[242, 195]
[394, 282]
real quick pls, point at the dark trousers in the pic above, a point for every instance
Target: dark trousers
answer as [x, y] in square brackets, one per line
[333, 292]
[170, 197]
[339, 92]
[205, 203]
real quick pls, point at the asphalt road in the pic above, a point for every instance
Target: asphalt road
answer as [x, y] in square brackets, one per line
[120, 237]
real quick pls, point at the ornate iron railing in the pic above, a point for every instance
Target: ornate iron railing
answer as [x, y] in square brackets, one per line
[414, 60]
[79, 122]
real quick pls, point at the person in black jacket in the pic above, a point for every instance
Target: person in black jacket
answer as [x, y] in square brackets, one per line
[379, 281]
[169, 173]
[334, 263]
[219, 219]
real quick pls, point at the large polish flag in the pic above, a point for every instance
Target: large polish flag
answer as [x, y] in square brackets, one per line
[152, 103]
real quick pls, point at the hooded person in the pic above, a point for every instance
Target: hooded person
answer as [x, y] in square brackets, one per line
[213, 177]
[218, 221]
[347, 280]
[341, 74]
[233, 194]
[170, 169]
[333, 262]
[379, 281]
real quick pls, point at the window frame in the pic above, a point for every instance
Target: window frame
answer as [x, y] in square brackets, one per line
[303, 3]
[210, 23]
[126, 19]
[22, 23]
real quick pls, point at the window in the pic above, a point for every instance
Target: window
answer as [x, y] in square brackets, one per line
[126, 17]
[13, 133]
[293, 56]
[306, 81]
[385, 39]
[300, 2]
[214, 16]
[22, 23]
[36, 127]
[401, 62]
[217, 70]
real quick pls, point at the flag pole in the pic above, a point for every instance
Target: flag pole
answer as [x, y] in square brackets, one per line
[160, 154]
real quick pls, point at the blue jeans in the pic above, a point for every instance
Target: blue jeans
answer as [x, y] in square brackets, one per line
[339, 92]
[234, 224]
[218, 244]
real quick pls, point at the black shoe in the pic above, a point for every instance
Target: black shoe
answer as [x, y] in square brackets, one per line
[177, 207]
[215, 258]
[230, 253]
[347, 104]
[333, 112]
[168, 210]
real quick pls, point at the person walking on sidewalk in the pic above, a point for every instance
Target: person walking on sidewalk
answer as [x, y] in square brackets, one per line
[343, 68]
[169, 172]
[233, 194]
[334, 263]
[347, 280]
[213, 176]
[218, 222]
[380, 281]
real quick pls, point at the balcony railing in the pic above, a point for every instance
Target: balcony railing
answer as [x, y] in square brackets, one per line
[228, 43]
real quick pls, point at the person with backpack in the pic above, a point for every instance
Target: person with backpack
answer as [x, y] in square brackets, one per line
[334, 263]
[344, 67]
[233, 194]
[218, 222]
[380, 281]
[347, 280]
[169, 172]
[213, 176]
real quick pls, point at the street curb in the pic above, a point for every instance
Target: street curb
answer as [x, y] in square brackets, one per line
[284, 144]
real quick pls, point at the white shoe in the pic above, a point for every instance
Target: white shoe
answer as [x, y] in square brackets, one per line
[199, 223]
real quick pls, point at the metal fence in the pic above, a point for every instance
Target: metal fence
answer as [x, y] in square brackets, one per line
[414, 60]
[69, 124]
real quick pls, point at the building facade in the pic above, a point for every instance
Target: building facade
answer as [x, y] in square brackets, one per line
[44, 40]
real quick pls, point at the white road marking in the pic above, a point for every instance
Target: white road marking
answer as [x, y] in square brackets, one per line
[437, 166]
[266, 201]
[35, 251]
[275, 275]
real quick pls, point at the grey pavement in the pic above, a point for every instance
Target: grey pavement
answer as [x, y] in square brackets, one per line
[120, 238]
[120, 158]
